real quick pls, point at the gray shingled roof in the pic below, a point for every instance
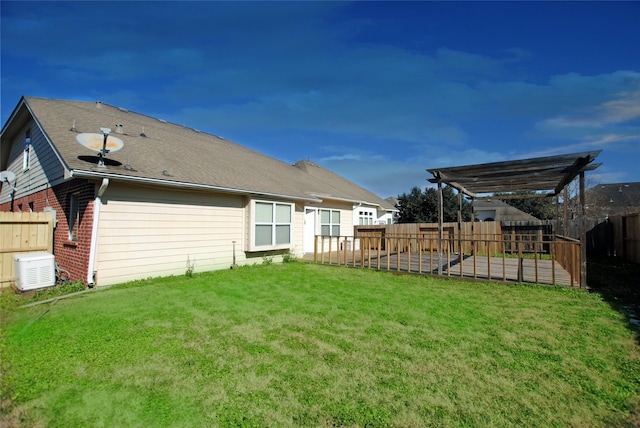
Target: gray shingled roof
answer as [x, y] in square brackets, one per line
[503, 210]
[327, 184]
[612, 199]
[614, 194]
[167, 153]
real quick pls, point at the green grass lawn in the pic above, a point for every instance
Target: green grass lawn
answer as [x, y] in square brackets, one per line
[307, 345]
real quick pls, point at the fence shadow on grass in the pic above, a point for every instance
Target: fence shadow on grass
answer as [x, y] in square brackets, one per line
[618, 282]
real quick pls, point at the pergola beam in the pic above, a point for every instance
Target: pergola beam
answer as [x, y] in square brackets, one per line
[546, 174]
[519, 196]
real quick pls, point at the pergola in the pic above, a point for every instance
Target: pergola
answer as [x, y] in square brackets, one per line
[544, 176]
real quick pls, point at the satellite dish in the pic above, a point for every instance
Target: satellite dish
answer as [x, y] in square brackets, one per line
[7, 176]
[102, 143]
[95, 142]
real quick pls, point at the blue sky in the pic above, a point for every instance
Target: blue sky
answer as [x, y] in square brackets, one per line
[375, 91]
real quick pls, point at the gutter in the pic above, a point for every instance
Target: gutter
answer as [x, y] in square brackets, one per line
[181, 185]
[94, 233]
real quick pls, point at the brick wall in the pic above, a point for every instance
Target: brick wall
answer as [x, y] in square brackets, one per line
[70, 255]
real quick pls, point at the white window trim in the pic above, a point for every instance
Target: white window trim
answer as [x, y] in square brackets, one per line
[331, 224]
[252, 227]
[74, 216]
[26, 152]
[366, 214]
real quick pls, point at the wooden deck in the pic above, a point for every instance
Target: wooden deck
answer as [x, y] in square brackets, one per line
[505, 269]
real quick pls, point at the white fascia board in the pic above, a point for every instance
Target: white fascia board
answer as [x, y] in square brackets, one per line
[353, 201]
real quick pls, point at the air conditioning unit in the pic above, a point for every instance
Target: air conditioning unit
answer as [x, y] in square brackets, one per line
[34, 270]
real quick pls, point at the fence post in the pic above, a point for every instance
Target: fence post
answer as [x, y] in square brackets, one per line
[520, 264]
[409, 254]
[488, 248]
[315, 248]
[553, 250]
[346, 245]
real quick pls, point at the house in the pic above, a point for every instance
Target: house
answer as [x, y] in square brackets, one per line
[606, 200]
[163, 198]
[497, 210]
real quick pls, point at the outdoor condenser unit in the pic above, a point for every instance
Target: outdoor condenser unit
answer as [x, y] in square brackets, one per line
[34, 270]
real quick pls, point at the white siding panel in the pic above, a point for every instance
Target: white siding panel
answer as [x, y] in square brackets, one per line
[147, 232]
[44, 167]
[298, 232]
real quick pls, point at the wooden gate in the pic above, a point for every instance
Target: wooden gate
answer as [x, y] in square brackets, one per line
[22, 233]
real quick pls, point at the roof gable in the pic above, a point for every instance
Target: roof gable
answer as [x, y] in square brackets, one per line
[501, 210]
[327, 184]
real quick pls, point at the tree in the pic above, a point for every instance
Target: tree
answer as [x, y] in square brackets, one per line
[541, 208]
[422, 207]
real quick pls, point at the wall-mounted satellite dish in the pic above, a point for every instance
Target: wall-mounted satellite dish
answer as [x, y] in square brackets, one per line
[9, 178]
[102, 143]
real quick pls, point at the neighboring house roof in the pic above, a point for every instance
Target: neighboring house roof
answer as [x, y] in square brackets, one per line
[332, 186]
[163, 153]
[611, 199]
[393, 201]
[502, 210]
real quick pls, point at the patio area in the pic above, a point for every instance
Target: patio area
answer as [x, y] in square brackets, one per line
[525, 269]
[504, 257]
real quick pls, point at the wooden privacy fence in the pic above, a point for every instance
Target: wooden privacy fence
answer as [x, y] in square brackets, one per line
[461, 237]
[626, 236]
[22, 232]
[617, 236]
[530, 257]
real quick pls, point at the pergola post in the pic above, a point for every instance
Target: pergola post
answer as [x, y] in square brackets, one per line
[459, 225]
[583, 236]
[565, 222]
[473, 225]
[556, 229]
[440, 226]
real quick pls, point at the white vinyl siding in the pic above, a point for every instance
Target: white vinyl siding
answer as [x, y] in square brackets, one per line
[45, 169]
[160, 234]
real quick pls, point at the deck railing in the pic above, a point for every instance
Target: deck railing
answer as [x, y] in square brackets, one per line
[548, 259]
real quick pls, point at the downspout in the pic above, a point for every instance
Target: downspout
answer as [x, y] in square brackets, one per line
[94, 233]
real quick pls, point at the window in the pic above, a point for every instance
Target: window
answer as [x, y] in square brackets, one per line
[365, 217]
[74, 216]
[329, 223]
[26, 154]
[272, 224]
